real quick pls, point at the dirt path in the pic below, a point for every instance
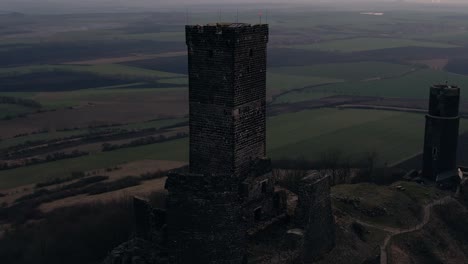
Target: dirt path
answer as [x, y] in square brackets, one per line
[398, 231]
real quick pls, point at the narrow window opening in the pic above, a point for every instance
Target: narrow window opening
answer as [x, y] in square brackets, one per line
[211, 53]
[276, 201]
[435, 153]
[264, 186]
[251, 53]
[258, 214]
[245, 190]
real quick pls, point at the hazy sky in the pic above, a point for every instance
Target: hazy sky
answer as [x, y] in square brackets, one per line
[57, 6]
[72, 6]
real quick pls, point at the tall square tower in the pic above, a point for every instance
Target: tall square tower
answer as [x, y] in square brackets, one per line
[227, 94]
[229, 191]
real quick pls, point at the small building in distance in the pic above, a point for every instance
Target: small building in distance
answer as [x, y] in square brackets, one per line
[441, 134]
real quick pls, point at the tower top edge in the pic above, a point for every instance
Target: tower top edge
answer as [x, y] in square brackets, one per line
[228, 24]
[232, 27]
[445, 86]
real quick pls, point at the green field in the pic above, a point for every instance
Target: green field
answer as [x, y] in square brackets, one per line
[278, 83]
[98, 35]
[61, 134]
[284, 79]
[355, 71]
[354, 132]
[414, 85]
[135, 77]
[13, 110]
[306, 134]
[102, 69]
[170, 150]
[363, 44]
[74, 98]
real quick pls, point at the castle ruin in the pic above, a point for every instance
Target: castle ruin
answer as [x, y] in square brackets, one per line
[228, 195]
[229, 191]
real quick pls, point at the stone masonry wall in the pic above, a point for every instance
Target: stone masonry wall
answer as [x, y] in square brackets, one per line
[227, 91]
[316, 217]
[205, 220]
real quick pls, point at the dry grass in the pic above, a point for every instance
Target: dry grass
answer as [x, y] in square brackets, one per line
[442, 240]
[97, 147]
[140, 167]
[112, 108]
[146, 188]
[132, 168]
[14, 193]
[399, 255]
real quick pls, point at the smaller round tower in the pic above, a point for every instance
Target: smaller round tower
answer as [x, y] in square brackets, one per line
[441, 136]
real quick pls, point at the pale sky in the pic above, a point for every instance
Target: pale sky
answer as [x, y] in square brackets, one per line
[72, 6]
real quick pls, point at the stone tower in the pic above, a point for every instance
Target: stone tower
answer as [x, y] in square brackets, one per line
[315, 216]
[227, 72]
[441, 136]
[229, 191]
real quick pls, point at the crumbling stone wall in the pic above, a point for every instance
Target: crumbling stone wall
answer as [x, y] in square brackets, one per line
[204, 218]
[148, 243]
[149, 221]
[315, 216]
[260, 200]
[462, 192]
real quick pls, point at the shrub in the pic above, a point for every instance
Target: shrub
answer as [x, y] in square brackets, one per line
[36, 194]
[74, 235]
[128, 181]
[74, 176]
[291, 179]
[84, 182]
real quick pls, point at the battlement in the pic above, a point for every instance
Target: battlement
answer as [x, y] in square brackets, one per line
[444, 101]
[449, 90]
[232, 32]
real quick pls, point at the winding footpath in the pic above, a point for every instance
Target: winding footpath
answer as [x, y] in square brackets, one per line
[398, 231]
